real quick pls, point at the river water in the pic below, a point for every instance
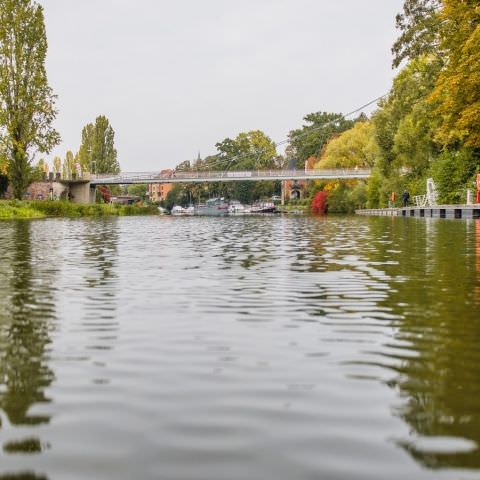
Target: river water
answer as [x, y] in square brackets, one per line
[240, 348]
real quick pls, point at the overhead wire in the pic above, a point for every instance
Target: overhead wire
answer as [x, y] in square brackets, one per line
[301, 135]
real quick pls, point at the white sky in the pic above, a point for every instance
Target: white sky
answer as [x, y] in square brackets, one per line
[175, 77]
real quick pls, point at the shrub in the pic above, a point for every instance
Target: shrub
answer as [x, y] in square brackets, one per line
[319, 203]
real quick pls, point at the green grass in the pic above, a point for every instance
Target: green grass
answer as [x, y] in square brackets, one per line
[40, 209]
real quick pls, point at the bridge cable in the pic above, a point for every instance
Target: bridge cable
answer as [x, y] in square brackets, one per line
[308, 132]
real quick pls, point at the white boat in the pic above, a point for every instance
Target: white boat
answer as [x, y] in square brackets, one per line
[178, 211]
[236, 208]
[190, 210]
[214, 207]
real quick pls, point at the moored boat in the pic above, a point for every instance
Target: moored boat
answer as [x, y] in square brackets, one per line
[178, 211]
[214, 207]
[236, 208]
[263, 207]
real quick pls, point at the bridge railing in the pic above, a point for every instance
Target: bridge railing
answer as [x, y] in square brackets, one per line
[150, 177]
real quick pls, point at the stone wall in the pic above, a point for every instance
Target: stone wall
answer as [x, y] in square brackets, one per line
[41, 191]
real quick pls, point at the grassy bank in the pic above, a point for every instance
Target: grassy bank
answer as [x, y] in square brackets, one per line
[40, 209]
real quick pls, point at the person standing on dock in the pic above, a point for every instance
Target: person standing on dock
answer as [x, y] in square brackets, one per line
[405, 198]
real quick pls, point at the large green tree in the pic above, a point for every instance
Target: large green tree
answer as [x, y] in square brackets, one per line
[97, 152]
[27, 107]
[249, 150]
[310, 140]
[356, 147]
[419, 24]
[404, 123]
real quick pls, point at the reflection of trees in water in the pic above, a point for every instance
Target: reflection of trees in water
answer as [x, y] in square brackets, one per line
[25, 323]
[24, 334]
[100, 242]
[101, 239]
[439, 383]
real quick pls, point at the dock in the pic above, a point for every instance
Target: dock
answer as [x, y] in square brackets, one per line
[437, 211]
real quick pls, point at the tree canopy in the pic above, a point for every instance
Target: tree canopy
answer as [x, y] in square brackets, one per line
[68, 167]
[27, 103]
[457, 91]
[356, 147]
[249, 150]
[419, 25]
[310, 139]
[97, 152]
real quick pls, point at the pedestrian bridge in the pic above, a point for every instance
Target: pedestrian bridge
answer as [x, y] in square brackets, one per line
[228, 176]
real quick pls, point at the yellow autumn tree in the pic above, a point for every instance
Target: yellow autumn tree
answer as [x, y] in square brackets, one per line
[457, 92]
[356, 147]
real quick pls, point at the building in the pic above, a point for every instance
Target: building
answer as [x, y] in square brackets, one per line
[294, 189]
[159, 191]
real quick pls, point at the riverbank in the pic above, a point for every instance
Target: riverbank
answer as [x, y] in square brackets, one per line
[294, 208]
[437, 211]
[12, 209]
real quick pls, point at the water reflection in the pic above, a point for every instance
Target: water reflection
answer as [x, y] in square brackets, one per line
[25, 332]
[268, 347]
[26, 320]
[100, 257]
[435, 347]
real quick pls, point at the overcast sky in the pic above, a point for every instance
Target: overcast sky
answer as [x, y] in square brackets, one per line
[175, 77]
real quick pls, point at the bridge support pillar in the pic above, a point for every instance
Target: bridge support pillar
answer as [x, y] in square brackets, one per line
[82, 192]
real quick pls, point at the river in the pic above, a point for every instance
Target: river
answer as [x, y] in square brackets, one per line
[240, 348]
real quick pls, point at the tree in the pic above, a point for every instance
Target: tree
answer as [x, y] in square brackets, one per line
[57, 165]
[413, 144]
[178, 195]
[97, 152]
[138, 190]
[394, 129]
[420, 26]
[454, 172]
[40, 170]
[249, 150]
[27, 103]
[86, 147]
[356, 147]
[311, 138]
[184, 166]
[68, 166]
[457, 91]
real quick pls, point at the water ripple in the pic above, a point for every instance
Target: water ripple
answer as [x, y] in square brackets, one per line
[206, 348]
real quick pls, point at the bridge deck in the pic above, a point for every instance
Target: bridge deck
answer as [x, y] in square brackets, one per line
[228, 176]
